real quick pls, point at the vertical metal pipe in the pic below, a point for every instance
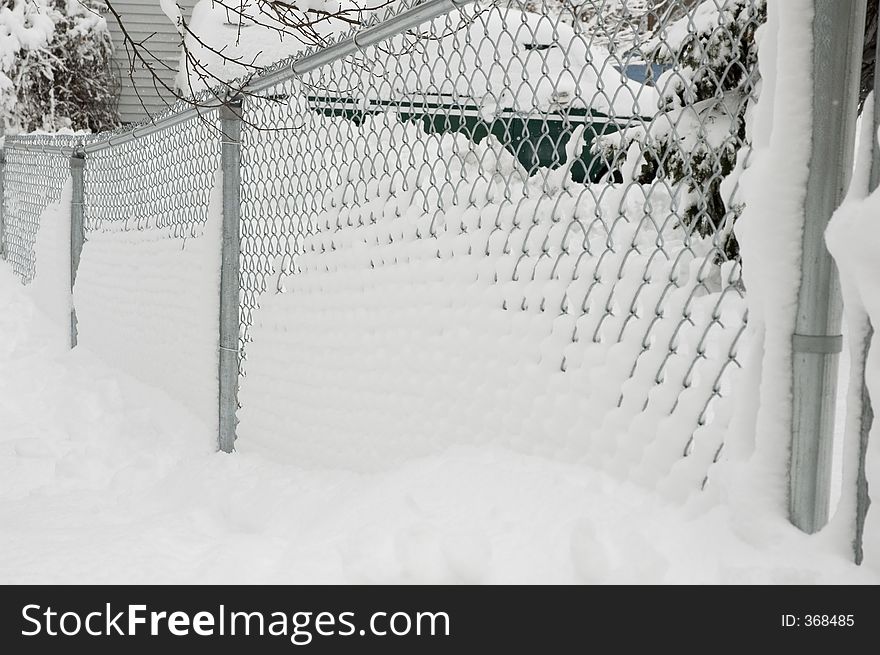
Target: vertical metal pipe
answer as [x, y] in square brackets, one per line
[838, 33]
[77, 235]
[230, 161]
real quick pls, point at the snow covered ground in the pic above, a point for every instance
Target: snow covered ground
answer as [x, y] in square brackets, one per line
[430, 422]
[103, 479]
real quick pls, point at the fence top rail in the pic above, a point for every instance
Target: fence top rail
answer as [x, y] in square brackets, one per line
[67, 144]
[371, 35]
[199, 105]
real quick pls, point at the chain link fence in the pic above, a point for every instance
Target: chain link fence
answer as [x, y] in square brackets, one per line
[162, 180]
[576, 164]
[594, 177]
[34, 177]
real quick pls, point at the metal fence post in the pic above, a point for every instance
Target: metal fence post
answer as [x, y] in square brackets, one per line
[77, 234]
[2, 204]
[838, 32]
[230, 162]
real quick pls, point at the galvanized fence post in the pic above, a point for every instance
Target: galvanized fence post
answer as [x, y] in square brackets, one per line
[77, 234]
[230, 162]
[2, 204]
[838, 31]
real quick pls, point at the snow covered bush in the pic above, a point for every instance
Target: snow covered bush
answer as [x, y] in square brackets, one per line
[619, 25]
[694, 142]
[55, 66]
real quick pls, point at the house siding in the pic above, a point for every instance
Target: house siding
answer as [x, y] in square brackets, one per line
[145, 22]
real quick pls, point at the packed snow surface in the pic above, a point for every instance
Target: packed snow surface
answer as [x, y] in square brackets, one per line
[104, 479]
[529, 318]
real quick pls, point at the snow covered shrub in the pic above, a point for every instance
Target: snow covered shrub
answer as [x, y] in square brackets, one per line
[618, 25]
[55, 66]
[694, 142]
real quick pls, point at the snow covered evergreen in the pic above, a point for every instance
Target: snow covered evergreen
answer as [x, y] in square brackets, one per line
[705, 96]
[55, 67]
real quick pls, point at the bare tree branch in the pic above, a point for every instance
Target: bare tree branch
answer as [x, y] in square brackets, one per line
[277, 17]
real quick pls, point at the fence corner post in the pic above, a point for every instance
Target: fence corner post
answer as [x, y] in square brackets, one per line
[2, 204]
[230, 163]
[77, 234]
[838, 30]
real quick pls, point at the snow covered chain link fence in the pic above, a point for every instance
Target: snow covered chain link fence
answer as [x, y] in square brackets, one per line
[161, 180]
[532, 202]
[32, 180]
[594, 208]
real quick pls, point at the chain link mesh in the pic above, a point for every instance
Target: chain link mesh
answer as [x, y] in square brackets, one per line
[161, 180]
[585, 155]
[34, 180]
[590, 151]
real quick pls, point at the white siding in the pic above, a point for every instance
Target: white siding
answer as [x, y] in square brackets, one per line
[145, 22]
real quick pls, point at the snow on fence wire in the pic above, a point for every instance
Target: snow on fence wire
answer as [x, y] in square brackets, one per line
[461, 222]
[162, 180]
[33, 180]
[147, 285]
[143, 249]
[487, 213]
